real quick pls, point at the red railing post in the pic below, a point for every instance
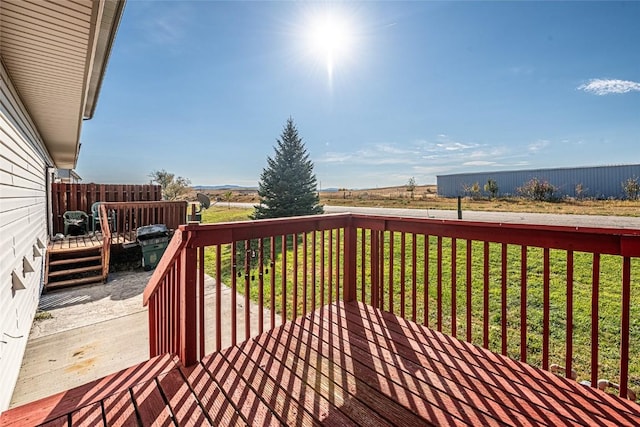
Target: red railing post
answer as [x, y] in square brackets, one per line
[188, 328]
[350, 261]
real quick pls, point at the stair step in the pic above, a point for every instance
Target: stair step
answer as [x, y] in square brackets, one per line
[75, 270]
[75, 260]
[73, 282]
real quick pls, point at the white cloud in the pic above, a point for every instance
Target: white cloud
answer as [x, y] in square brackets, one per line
[538, 145]
[479, 163]
[609, 86]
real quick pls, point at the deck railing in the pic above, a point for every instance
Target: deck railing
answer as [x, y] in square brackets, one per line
[125, 217]
[556, 297]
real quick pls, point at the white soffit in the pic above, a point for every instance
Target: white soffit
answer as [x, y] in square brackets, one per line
[55, 52]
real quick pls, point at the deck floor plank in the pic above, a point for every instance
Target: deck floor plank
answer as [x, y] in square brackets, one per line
[119, 409]
[253, 409]
[89, 416]
[151, 406]
[429, 373]
[286, 393]
[314, 368]
[517, 378]
[430, 404]
[183, 403]
[220, 410]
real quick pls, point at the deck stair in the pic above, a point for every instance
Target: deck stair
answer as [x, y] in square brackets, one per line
[74, 266]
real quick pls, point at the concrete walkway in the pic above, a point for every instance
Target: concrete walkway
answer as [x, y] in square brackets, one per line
[97, 330]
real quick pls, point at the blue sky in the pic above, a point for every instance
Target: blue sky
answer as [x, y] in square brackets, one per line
[416, 89]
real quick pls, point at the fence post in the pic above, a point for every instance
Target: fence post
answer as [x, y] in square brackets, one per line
[350, 262]
[188, 351]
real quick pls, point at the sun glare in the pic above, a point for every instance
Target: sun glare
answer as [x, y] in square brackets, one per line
[330, 39]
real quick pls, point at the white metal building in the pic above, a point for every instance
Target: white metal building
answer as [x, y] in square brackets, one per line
[53, 56]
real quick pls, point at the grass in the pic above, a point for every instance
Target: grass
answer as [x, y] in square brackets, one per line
[609, 304]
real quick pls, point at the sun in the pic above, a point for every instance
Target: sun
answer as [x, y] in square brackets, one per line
[330, 40]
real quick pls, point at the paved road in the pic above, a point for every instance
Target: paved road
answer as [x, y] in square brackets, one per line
[500, 217]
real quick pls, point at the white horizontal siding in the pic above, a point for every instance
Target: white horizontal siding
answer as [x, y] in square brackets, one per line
[23, 220]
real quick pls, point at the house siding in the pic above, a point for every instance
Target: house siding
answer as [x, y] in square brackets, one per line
[597, 182]
[24, 163]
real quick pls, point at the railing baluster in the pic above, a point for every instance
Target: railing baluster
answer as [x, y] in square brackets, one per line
[546, 308]
[305, 258]
[338, 260]
[485, 298]
[330, 291]
[313, 271]
[218, 297]
[595, 301]
[624, 326]
[260, 285]
[454, 269]
[381, 267]
[247, 300]
[403, 268]
[363, 236]
[201, 329]
[469, 300]
[523, 303]
[414, 279]
[234, 272]
[569, 338]
[283, 275]
[374, 258]
[322, 267]
[295, 275]
[439, 301]
[426, 280]
[391, 262]
[272, 271]
[503, 295]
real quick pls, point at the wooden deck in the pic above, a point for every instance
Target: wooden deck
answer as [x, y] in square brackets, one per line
[87, 241]
[345, 364]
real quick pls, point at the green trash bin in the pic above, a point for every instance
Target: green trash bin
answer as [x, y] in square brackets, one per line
[153, 240]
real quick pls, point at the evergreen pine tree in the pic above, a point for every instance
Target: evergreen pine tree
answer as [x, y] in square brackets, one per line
[288, 185]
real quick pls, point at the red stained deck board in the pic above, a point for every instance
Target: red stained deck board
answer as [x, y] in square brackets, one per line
[58, 422]
[528, 381]
[281, 396]
[317, 366]
[239, 392]
[152, 409]
[297, 402]
[402, 370]
[184, 405]
[433, 405]
[54, 406]
[89, 416]
[214, 402]
[119, 409]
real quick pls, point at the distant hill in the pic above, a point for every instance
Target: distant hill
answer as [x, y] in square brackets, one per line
[223, 187]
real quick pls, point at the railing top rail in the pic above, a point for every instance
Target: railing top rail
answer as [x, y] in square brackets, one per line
[611, 240]
[114, 205]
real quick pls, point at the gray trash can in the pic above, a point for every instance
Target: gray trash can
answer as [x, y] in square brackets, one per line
[153, 240]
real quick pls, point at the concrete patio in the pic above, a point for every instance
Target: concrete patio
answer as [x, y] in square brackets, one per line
[85, 333]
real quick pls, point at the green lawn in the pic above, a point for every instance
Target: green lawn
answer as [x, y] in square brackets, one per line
[609, 306]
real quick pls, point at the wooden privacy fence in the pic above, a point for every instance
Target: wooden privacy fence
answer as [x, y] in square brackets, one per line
[80, 197]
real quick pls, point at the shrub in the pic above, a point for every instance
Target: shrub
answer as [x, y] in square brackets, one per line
[491, 187]
[631, 188]
[536, 189]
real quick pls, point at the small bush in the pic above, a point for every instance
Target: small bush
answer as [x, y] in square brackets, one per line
[631, 188]
[538, 190]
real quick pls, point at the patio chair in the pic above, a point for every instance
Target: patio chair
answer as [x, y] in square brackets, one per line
[95, 217]
[75, 221]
